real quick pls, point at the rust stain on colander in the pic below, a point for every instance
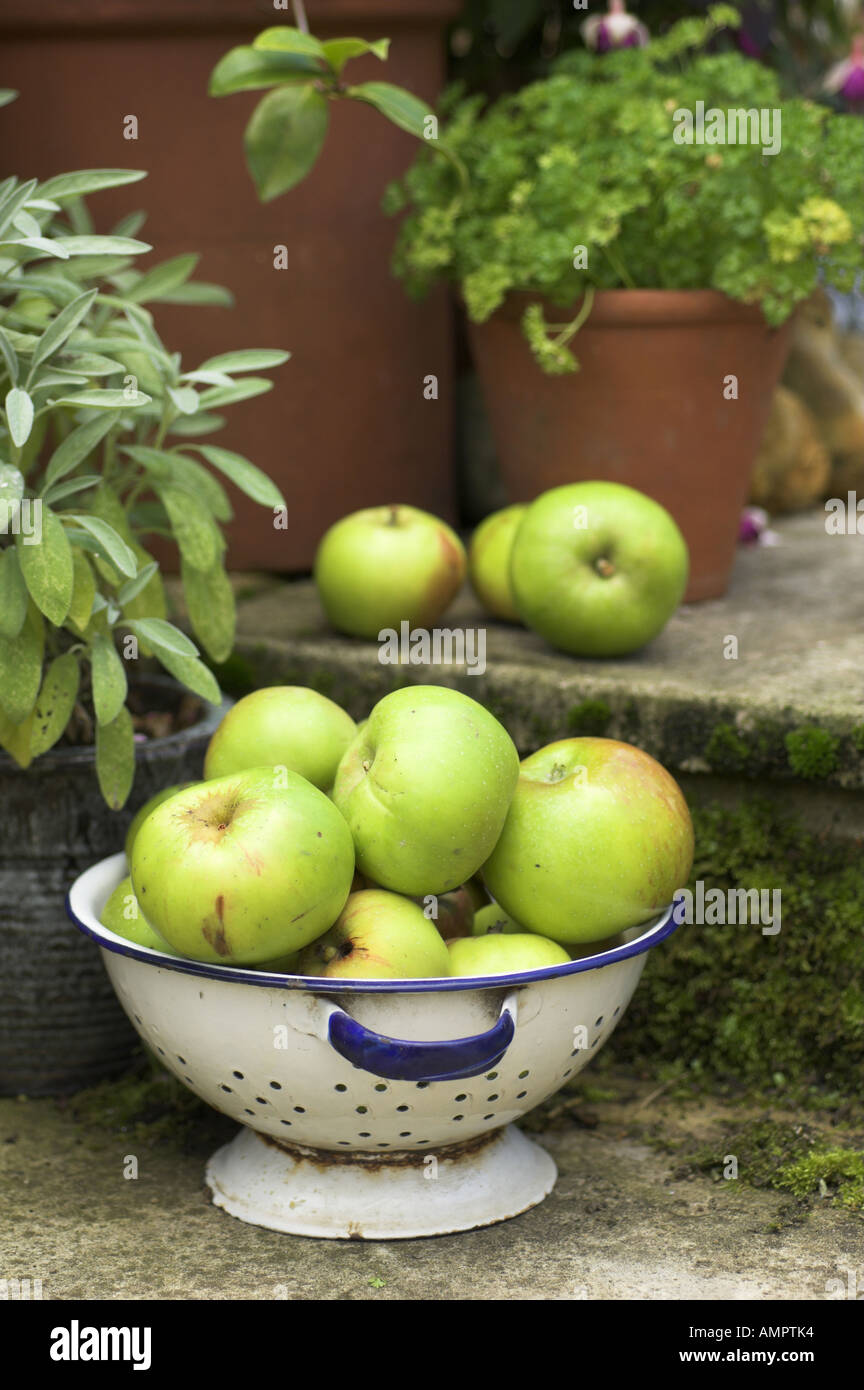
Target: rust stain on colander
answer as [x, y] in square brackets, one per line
[372, 1162]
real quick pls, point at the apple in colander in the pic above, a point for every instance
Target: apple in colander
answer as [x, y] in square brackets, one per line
[598, 838]
[243, 869]
[425, 788]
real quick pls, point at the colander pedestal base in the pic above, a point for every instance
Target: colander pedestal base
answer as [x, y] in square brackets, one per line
[370, 1196]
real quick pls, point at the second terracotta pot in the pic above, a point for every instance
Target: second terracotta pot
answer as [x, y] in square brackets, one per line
[653, 406]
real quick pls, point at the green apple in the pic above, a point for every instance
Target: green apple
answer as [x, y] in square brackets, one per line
[425, 789]
[287, 725]
[598, 838]
[245, 868]
[597, 569]
[383, 566]
[492, 920]
[489, 561]
[143, 812]
[503, 954]
[122, 915]
[379, 936]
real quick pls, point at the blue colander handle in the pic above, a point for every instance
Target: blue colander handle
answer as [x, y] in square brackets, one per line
[399, 1059]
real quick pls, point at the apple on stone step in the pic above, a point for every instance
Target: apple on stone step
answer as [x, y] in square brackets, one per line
[489, 561]
[597, 568]
[386, 565]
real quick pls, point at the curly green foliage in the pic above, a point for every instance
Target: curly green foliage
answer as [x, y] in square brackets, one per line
[812, 751]
[586, 158]
[741, 1008]
[792, 1159]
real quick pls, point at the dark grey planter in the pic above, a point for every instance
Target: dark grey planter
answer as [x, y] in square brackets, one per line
[61, 1027]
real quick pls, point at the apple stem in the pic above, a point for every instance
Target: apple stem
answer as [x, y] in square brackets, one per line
[604, 567]
[393, 519]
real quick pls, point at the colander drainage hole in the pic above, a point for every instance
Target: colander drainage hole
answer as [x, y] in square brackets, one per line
[404, 1134]
[403, 1107]
[598, 1021]
[490, 1099]
[520, 1095]
[136, 1018]
[491, 1076]
[380, 1086]
[285, 1122]
[181, 1060]
[161, 1051]
[340, 1086]
[259, 1100]
[274, 1086]
[248, 1112]
[617, 1012]
[523, 1074]
[225, 1088]
[458, 1117]
[421, 1085]
[364, 1134]
[239, 1075]
[361, 1110]
[461, 1097]
[489, 1117]
[300, 1109]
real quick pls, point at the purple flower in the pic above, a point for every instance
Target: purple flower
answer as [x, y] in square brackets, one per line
[847, 78]
[617, 29]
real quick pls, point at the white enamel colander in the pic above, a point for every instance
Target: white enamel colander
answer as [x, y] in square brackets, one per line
[375, 1109]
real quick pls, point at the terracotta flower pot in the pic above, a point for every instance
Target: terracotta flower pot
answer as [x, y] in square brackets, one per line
[61, 1026]
[347, 424]
[647, 408]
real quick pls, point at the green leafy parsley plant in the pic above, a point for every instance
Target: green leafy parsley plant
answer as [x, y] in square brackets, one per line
[576, 184]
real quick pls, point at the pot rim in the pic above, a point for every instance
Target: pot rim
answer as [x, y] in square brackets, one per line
[85, 753]
[79, 910]
[641, 308]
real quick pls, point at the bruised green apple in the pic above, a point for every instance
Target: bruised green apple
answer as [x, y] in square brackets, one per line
[386, 565]
[143, 812]
[493, 920]
[597, 569]
[425, 789]
[598, 838]
[122, 915]
[287, 725]
[245, 868]
[489, 561]
[378, 936]
[503, 954]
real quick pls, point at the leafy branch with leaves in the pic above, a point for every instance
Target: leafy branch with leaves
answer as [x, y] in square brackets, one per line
[103, 445]
[288, 127]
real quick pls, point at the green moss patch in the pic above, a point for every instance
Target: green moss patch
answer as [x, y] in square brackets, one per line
[789, 1158]
[812, 751]
[730, 1006]
[589, 719]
